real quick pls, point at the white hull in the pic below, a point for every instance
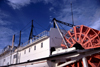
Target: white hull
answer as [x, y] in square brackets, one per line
[43, 63]
[39, 47]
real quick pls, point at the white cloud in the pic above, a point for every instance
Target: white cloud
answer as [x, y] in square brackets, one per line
[50, 17]
[64, 14]
[96, 24]
[5, 32]
[16, 4]
[51, 8]
[4, 22]
[83, 14]
[3, 16]
[6, 36]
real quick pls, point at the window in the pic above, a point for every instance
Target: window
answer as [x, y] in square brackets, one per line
[29, 49]
[34, 47]
[4, 60]
[24, 51]
[15, 56]
[8, 63]
[41, 45]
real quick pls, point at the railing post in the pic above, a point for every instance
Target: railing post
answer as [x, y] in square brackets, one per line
[30, 41]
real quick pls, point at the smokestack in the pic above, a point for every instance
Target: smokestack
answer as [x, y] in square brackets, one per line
[13, 39]
[19, 39]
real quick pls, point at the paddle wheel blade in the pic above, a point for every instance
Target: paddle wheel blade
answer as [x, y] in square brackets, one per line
[83, 37]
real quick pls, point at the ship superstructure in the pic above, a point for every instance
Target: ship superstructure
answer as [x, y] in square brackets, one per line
[78, 47]
[38, 47]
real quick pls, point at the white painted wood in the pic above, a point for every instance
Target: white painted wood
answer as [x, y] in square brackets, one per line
[85, 62]
[55, 38]
[43, 63]
[61, 34]
[64, 50]
[66, 63]
[36, 54]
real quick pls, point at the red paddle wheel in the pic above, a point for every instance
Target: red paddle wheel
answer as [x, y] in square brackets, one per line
[87, 38]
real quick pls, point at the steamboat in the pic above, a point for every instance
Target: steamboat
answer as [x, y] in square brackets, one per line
[78, 47]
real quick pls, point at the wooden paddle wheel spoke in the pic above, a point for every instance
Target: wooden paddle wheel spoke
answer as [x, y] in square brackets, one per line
[88, 38]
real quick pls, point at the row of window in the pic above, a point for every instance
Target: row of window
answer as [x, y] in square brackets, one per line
[34, 48]
[15, 56]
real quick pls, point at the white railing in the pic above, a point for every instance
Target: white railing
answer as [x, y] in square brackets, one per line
[39, 36]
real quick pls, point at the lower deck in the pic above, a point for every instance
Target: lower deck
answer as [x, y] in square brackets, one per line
[55, 59]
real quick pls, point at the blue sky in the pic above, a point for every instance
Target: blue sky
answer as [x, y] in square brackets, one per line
[15, 14]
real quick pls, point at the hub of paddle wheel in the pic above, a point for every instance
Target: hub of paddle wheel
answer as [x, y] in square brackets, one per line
[83, 37]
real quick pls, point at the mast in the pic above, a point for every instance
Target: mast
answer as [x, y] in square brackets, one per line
[31, 32]
[54, 25]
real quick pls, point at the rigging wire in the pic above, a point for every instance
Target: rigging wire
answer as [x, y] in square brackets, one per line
[62, 28]
[42, 28]
[40, 25]
[26, 25]
[48, 27]
[35, 30]
[39, 28]
[23, 29]
[26, 28]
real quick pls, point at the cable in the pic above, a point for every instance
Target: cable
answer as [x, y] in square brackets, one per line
[26, 28]
[39, 28]
[63, 28]
[25, 25]
[40, 25]
[35, 30]
[48, 27]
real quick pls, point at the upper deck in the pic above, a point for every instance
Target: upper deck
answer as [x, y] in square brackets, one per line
[34, 39]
